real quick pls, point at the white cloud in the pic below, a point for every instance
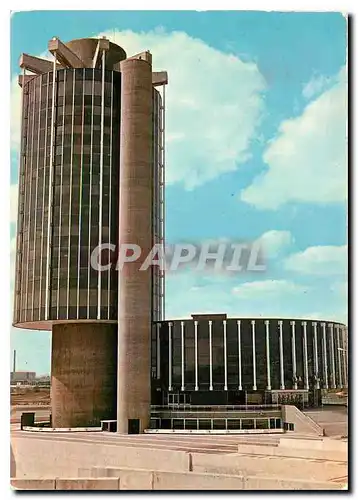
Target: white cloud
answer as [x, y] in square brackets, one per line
[319, 260]
[213, 103]
[267, 288]
[189, 293]
[274, 242]
[316, 85]
[307, 159]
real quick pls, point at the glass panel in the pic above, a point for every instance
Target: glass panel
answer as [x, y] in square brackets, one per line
[204, 424]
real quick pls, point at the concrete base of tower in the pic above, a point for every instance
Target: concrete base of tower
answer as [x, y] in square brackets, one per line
[83, 374]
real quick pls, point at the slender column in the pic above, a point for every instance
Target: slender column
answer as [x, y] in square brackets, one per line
[293, 346]
[80, 243]
[305, 361]
[344, 345]
[90, 201]
[20, 214]
[325, 366]
[61, 195]
[182, 355]
[101, 185]
[268, 366]
[282, 372]
[225, 356]
[36, 196]
[253, 355]
[135, 210]
[196, 354]
[70, 197]
[339, 348]
[50, 194]
[333, 364]
[346, 354]
[315, 358]
[43, 196]
[239, 352]
[170, 356]
[163, 202]
[29, 218]
[210, 355]
[110, 196]
[158, 350]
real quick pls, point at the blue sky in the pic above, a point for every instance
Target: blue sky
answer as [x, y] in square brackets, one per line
[256, 117]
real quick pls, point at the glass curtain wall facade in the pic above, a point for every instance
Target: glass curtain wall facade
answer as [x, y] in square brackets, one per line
[75, 127]
[63, 219]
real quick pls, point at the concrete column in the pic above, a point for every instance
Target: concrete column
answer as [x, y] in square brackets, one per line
[339, 349]
[239, 352]
[170, 355]
[182, 355]
[225, 357]
[345, 353]
[135, 227]
[333, 363]
[282, 372]
[253, 355]
[83, 374]
[305, 355]
[293, 346]
[211, 355]
[268, 367]
[196, 354]
[325, 366]
[315, 353]
[158, 350]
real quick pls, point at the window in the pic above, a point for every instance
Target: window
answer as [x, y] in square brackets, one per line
[233, 423]
[247, 423]
[262, 423]
[191, 423]
[220, 423]
[204, 424]
[178, 423]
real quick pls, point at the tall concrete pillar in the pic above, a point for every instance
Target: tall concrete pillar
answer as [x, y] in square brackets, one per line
[135, 227]
[83, 374]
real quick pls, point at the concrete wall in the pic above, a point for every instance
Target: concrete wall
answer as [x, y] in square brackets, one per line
[45, 457]
[177, 481]
[273, 466]
[294, 452]
[130, 479]
[324, 444]
[302, 423]
[33, 484]
[102, 484]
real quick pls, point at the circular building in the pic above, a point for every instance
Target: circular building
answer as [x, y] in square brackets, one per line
[215, 360]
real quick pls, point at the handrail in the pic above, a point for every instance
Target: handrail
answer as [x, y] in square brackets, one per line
[184, 406]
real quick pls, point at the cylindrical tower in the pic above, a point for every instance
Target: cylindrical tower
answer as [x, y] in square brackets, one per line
[135, 213]
[69, 213]
[84, 370]
[70, 183]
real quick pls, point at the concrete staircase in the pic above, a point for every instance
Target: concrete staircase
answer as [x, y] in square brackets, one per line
[123, 463]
